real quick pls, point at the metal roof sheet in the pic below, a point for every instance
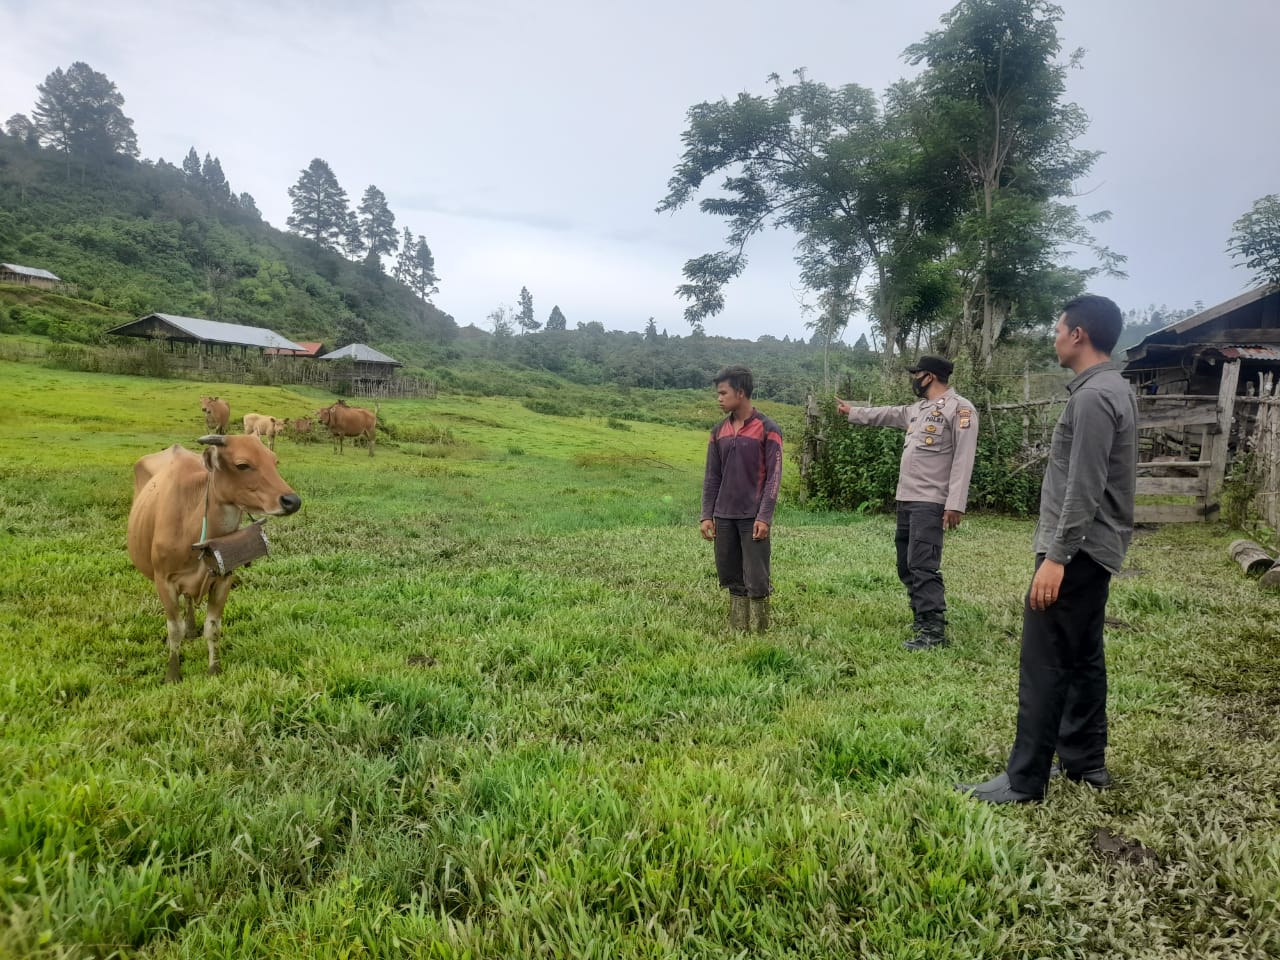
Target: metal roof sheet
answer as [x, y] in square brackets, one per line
[213, 331]
[1246, 351]
[29, 271]
[361, 352]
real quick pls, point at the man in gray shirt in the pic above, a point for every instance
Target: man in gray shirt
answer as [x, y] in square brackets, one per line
[1086, 521]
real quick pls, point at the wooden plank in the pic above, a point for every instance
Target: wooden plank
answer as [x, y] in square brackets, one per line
[1171, 486]
[1168, 513]
[1217, 445]
[1193, 417]
[1181, 464]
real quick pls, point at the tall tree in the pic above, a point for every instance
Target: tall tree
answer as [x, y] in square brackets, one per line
[831, 165]
[995, 90]
[1256, 240]
[246, 203]
[651, 331]
[215, 181]
[404, 263]
[524, 316]
[422, 279]
[320, 209]
[352, 237]
[556, 320]
[191, 166]
[81, 113]
[377, 224]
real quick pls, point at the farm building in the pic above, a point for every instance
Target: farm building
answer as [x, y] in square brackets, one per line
[29, 276]
[209, 335]
[1188, 357]
[1207, 395]
[368, 365]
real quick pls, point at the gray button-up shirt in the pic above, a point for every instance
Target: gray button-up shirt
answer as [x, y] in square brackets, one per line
[937, 455]
[1086, 502]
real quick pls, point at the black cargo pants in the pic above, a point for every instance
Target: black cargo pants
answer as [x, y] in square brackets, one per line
[919, 542]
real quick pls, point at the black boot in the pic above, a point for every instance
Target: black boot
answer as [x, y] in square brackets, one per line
[931, 633]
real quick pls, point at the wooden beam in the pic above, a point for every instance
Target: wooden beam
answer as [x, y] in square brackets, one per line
[1217, 444]
[1189, 417]
[1168, 513]
[1181, 464]
[1171, 486]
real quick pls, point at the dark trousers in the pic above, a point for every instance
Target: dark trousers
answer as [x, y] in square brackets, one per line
[743, 563]
[1062, 680]
[919, 542]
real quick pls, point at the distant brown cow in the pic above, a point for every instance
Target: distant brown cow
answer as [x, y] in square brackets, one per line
[264, 427]
[301, 426]
[181, 498]
[217, 414]
[344, 421]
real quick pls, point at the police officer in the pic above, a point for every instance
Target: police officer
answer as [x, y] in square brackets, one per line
[933, 485]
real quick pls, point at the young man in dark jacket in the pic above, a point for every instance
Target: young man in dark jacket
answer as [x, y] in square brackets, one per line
[739, 493]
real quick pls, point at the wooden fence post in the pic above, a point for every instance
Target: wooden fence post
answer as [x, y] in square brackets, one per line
[1220, 440]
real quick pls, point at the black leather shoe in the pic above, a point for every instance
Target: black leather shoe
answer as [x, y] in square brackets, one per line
[996, 790]
[1099, 779]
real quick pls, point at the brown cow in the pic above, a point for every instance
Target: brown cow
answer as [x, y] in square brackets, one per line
[301, 426]
[264, 427]
[217, 414]
[180, 498]
[344, 421]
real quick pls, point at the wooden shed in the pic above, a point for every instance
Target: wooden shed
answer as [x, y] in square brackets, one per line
[369, 366]
[28, 276]
[1205, 390]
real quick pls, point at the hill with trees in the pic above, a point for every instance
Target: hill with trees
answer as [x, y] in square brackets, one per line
[135, 236]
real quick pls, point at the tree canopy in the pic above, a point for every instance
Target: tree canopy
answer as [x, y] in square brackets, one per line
[320, 210]
[80, 113]
[1255, 240]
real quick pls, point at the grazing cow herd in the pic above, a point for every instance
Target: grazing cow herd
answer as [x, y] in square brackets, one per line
[183, 501]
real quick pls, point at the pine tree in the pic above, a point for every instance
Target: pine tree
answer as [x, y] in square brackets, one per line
[249, 205]
[21, 128]
[524, 316]
[80, 113]
[423, 280]
[556, 320]
[352, 238]
[215, 181]
[404, 263]
[191, 166]
[377, 224]
[651, 331]
[320, 209]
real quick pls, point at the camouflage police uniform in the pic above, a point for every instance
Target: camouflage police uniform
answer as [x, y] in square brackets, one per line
[937, 461]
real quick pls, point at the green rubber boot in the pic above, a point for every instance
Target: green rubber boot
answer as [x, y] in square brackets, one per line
[739, 613]
[760, 614]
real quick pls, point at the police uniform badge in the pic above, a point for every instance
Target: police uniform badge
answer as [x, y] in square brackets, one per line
[963, 415]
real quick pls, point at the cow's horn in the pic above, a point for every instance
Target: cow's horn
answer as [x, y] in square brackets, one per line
[213, 439]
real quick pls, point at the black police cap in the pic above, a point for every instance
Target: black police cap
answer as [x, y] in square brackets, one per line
[935, 365]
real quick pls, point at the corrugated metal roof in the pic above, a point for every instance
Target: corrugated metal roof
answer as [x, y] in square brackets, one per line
[358, 351]
[1245, 351]
[212, 331]
[29, 271]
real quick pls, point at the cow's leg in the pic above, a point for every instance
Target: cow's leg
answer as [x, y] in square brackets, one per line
[219, 589]
[371, 444]
[189, 619]
[177, 628]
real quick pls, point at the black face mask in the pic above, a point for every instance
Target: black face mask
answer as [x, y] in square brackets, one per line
[918, 388]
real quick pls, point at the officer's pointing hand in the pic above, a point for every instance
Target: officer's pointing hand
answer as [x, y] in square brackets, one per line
[843, 407]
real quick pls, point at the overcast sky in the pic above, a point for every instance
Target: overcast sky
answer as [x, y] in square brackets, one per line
[530, 142]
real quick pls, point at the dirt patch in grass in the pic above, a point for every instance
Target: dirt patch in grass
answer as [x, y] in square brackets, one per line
[1117, 849]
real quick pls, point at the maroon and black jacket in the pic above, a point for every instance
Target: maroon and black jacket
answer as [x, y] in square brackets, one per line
[743, 470]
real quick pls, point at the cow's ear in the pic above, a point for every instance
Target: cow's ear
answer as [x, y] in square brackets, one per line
[210, 458]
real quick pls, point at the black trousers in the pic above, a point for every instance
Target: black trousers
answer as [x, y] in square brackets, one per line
[919, 542]
[1062, 680]
[743, 563]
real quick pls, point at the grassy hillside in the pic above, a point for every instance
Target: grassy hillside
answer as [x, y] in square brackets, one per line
[478, 703]
[140, 237]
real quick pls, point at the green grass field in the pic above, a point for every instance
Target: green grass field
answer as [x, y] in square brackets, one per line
[478, 703]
